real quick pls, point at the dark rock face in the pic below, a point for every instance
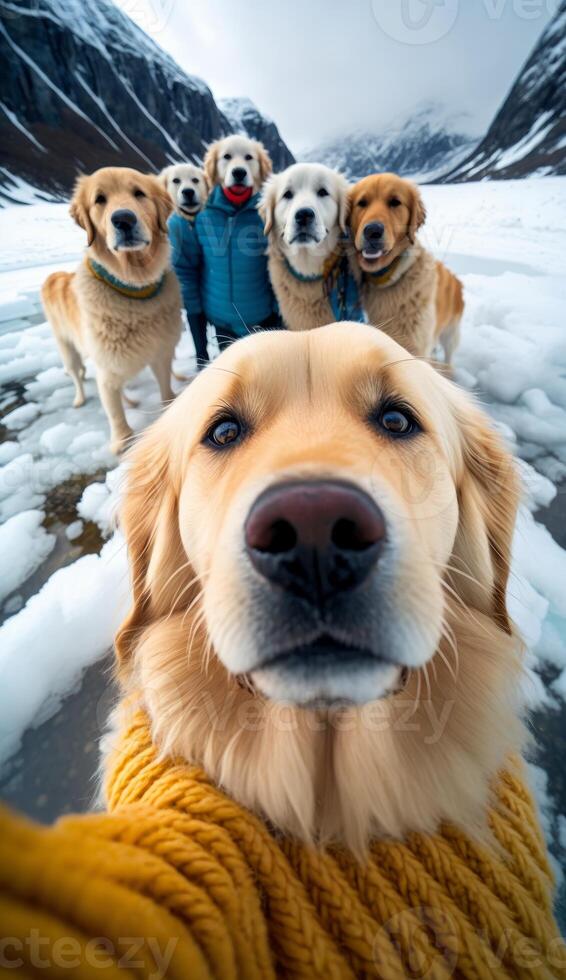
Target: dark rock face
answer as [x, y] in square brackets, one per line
[425, 143]
[83, 87]
[528, 134]
[245, 117]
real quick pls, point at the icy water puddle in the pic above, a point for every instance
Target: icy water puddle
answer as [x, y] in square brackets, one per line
[12, 395]
[61, 510]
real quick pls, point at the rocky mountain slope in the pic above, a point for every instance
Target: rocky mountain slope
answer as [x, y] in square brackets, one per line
[421, 145]
[82, 86]
[528, 134]
[244, 117]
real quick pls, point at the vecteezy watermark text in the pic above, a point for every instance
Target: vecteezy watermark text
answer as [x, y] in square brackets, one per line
[427, 21]
[67, 953]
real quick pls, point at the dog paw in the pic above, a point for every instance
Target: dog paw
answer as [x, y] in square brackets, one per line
[78, 401]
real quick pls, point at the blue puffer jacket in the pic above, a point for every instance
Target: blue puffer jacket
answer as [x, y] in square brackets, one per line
[186, 257]
[235, 287]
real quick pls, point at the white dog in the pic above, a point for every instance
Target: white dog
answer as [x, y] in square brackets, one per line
[305, 211]
[237, 163]
[187, 186]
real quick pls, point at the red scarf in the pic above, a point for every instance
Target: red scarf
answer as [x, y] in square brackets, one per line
[239, 196]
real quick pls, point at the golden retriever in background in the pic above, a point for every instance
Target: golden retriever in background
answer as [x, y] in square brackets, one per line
[305, 211]
[187, 186]
[122, 307]
[405, 291]
[319, 530]
[238, 163]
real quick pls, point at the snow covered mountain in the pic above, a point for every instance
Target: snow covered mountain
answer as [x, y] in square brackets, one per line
[244, 117]
[528, 134]
[423, 144]
[82, 86]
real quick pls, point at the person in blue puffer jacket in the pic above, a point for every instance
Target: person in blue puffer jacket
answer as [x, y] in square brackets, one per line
[235, 288]
[188, 189]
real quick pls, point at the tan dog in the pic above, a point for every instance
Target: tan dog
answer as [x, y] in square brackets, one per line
[238, 163]
[319, 533]
[305, 210]
[405, 291]
[122, 307]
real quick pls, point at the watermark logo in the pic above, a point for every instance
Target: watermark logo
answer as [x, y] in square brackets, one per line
[151, 15]
[426, 21]
[424, 488]
[415, 21]
[427, 939]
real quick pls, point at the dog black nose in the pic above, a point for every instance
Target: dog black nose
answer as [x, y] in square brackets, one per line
[124, 220]
[373, 232]
[239, 175]
[316, 538]
[188, 194]
[304, 216]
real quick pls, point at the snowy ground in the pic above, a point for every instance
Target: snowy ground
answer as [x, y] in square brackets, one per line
[506, 240]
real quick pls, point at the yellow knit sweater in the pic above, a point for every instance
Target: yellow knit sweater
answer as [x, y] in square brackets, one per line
[179, 881]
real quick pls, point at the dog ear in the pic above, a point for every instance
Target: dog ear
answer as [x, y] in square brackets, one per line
[265, 164]
[488, 497]
[266, 206]
[210, 163]
[343, 203]
[352, 190]
[163, 177]
[418, 213]
[161, 575]
[163, 202]
[78, 209]
[206, 182]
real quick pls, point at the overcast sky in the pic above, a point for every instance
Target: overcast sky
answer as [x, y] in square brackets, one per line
[321, 68]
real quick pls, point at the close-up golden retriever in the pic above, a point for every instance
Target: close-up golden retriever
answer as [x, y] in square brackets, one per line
[122, 307]
[319, 530]
[405, 291]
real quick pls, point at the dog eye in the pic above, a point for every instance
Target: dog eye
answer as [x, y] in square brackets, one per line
[322, 192]
[227, 156]
[288, 195]
[100, 199]
[248, 156]
[224, 432]
[398, 422]
[138, 193]
[176, 180]
[195, 180]
[362, 203]
[394, 202]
